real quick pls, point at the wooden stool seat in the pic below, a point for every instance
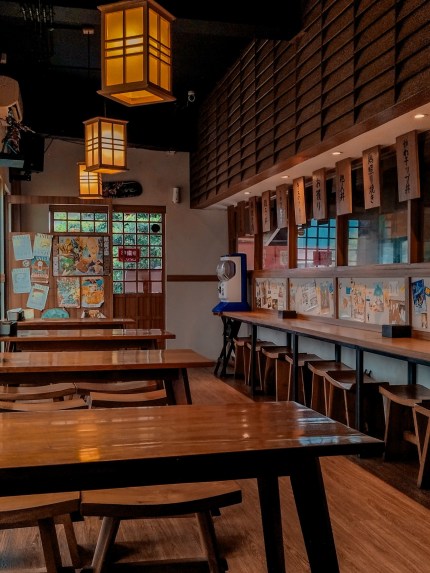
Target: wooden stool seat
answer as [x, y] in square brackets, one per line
[198, 500]
[400, 432]
[45, 392]
[273, 361]
[340, 387]
[116, 400]
[318, 368]
[421, 414]
[44, 511]
[84, 388]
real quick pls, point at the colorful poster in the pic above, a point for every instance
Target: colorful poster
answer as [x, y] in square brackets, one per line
[42, 245]
[22, 247]
[80, 256]
[38, 296]
[419, 296]
[69, 292]
[92, 292]
[21, 280]
[39, 269]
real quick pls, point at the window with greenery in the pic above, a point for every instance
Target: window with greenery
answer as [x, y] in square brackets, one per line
[316, 244]
[141, 233]
[79, 220]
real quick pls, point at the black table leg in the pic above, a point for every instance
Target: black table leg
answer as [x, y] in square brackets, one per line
[309, 494]
[268, 489]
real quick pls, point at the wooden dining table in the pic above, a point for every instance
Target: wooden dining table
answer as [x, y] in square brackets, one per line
[109, 448]
[38, 323]
[169, 365]
[86, 339]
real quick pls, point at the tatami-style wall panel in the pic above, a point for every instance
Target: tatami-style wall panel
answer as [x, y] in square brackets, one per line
[353, 61]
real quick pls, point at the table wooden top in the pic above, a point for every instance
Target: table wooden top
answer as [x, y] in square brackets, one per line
[368, 340]
[60, 335]
[74, 323]
[100, 360]
[87, 449]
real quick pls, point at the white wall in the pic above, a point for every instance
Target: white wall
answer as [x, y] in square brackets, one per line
[195, 239]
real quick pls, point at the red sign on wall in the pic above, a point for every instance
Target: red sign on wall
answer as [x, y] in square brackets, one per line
[129, 254]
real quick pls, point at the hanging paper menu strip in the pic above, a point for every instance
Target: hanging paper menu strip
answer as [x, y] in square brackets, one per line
[408, 166]
[372, 177]
[319, 195]
[282, 206]
[299, 200]
[344, 187]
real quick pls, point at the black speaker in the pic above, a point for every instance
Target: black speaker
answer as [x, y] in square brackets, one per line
[32, 147]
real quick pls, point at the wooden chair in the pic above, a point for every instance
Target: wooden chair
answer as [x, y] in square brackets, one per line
[341, 400]
[421, 414]
[198, 500]
[400, 438]
[43, 510]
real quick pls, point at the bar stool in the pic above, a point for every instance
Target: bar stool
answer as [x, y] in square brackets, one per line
[318, 393]
[340, 389]
[239, 355]
[422, 427]
[275, 368]
[303, 358]
[259, 360]
[400, 433]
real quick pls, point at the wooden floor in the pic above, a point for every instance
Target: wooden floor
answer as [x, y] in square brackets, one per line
[377, 528]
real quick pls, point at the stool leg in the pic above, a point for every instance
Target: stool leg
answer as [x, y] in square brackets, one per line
[399, 419]
[51, 550]
[72, 544]
[318, 402]
[106, 539]
[238, 361]
[282, 376]
[209, 542]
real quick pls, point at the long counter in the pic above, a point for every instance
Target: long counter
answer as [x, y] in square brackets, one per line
[413, 350]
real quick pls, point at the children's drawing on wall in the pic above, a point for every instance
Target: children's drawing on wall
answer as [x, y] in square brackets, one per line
[80, 256]
[309, 296]
[358, 302]
[374, 301]
[325, 297]
[396, 311]
[69, 292]
[270, 294]
[345, 309]
[419, 297]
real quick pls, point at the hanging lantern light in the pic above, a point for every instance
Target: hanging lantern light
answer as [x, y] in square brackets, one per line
[90, 183]
[105, 145]
[136, 52]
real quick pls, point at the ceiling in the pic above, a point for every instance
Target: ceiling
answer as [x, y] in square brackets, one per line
[58, 66]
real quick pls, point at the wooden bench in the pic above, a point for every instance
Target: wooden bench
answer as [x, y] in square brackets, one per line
[400, 436]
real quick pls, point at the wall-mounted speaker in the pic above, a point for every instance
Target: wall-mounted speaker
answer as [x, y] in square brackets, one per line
[32, 146]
